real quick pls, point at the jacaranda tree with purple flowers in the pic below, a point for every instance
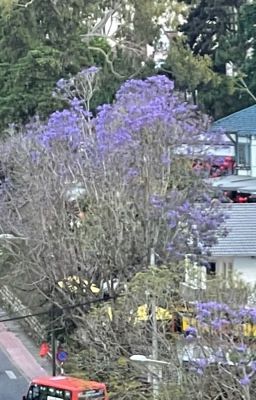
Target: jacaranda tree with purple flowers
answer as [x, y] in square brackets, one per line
[94, 194]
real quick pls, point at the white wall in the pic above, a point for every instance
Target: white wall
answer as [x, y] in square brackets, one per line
[245, 267]
[244, 172]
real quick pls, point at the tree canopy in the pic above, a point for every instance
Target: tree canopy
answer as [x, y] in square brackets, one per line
[220, 30]
[142, 191]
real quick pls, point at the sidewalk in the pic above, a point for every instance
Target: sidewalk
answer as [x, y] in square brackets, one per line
[22, 351]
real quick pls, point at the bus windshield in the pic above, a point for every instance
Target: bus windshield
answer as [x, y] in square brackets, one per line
[40, 392]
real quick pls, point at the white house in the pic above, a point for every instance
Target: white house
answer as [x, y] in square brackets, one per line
[240, 127]
[235, 254]
[233, 258]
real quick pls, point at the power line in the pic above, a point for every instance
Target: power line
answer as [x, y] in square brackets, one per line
[20, 317]
[52, 312]
[39, 306]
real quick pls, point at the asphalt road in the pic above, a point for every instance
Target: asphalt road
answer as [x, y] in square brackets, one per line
[13, 385]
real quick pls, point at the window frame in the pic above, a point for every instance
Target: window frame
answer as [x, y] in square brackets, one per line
[243, 152]
[228, 269]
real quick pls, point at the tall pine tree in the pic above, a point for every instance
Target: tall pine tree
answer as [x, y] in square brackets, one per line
[212, 29]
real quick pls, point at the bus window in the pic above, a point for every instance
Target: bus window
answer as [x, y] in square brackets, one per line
[40, 392]
[92, 394]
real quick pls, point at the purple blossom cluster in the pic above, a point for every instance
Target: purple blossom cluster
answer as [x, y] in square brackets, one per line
[63, 126]
[149, 110]
[148, 126]
[219, 315]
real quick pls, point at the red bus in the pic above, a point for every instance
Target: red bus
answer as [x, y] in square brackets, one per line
[65, 388]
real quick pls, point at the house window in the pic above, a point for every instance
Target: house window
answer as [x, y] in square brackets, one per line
[227, 268]
[243, 149]
[211, 270]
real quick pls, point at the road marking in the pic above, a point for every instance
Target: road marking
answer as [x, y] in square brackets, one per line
[11, 374]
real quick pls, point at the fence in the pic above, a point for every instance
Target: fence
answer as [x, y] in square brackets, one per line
[14, 305]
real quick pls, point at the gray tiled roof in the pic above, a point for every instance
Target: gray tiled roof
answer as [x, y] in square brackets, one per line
[241, 225]
[243, 121]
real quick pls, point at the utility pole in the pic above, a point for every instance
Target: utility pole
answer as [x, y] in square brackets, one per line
[153, 310]
[156, 371]
[53, 341]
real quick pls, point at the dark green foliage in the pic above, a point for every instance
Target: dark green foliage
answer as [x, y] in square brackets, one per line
[247, 35]
[213, 29]
[36, 49]
[25, 87]
[42, 43]
[39, 45]
[209, 22]
[181, 61]
[221, 98]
